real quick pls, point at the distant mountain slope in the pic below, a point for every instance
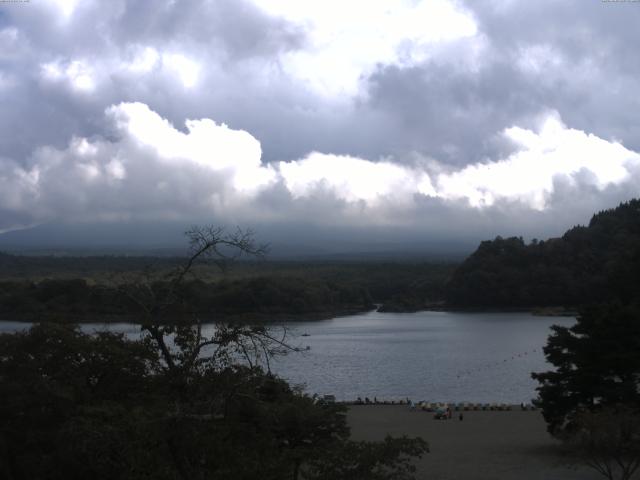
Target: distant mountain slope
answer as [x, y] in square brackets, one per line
[587, 264]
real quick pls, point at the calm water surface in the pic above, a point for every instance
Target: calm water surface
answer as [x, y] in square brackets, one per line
[436, 356]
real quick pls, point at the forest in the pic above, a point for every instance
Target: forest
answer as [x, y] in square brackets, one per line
[72, 289]
[588, 264]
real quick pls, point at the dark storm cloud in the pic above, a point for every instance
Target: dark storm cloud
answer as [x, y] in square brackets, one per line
[594, 86]
[439, 108]
[226, 60]
[237, 29]
[226, 36]
[576, 57]
[454, 115]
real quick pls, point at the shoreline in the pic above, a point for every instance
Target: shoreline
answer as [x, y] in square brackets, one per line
[281, 318]
[433, 406]
[261, 318]
[555, 311]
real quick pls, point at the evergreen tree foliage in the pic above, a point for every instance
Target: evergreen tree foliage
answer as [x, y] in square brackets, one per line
[597, 365]
[591, 264]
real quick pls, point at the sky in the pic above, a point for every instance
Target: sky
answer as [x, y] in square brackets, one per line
[370, 122]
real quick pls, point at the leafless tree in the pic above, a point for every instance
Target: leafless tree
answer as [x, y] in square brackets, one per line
[157, 302]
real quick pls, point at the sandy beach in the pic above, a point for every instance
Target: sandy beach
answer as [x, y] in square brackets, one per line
[486, 445]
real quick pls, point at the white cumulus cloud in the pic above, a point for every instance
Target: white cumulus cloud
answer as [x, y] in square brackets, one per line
[346, 40]
[354, 179]
[152, 170]
[76, 73]
[554, 152]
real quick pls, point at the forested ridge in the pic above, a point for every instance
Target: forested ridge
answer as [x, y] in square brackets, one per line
[588, 264]
[76, 300]
[74, 289]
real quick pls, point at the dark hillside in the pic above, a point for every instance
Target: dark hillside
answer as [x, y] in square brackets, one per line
[586, 265]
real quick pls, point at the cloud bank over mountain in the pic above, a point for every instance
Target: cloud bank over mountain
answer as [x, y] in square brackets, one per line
[150, 169]
[429, 118]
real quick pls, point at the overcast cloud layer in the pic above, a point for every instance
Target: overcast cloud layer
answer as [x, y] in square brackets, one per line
[430, 119]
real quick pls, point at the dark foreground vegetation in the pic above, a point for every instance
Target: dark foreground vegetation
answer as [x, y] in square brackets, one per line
[591, 400]
[176, 404]
[76, 406]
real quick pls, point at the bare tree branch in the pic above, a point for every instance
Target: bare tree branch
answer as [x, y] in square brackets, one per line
[154, 299]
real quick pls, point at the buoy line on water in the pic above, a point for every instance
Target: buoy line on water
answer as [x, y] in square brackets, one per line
[494, 364]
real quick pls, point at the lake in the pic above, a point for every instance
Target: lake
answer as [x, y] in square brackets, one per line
[434, 356]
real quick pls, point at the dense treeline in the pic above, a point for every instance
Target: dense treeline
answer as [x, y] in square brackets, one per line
[597, 362]
[76, 300]
[275, 295]
[83, 288]
[17, 267]
[599, 262]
